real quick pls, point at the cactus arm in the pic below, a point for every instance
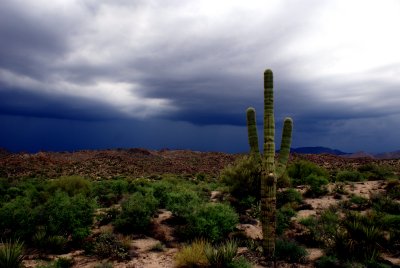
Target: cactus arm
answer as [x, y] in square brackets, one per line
[285, 147]
[252, 131]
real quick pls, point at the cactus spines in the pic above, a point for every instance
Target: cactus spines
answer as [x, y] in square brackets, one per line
[270, 171]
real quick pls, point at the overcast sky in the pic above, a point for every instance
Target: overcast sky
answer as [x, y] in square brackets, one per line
[90, 74]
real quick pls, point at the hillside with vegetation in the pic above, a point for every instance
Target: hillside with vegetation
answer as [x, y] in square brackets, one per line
[184, 208]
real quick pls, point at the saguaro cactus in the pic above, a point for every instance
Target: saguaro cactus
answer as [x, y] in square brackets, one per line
[270, 171]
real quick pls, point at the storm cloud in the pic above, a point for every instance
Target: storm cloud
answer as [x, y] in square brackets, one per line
[189, 69]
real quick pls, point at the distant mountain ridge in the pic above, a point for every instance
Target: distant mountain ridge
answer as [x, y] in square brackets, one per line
[360, 154]
[388, 155]
[317, 150]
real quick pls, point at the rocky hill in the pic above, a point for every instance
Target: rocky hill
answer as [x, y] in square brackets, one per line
[137, 162]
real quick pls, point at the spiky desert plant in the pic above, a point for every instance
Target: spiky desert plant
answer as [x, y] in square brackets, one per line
[270, 171]
[11, 254]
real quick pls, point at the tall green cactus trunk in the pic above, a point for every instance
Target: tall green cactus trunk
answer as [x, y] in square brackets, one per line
[270, 172]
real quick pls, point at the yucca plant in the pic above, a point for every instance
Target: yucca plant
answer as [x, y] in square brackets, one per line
[222, 255]
[11, 254]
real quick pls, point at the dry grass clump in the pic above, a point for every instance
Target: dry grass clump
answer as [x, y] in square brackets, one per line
[192, 255]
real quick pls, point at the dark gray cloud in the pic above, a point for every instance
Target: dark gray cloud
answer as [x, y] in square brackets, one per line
[199, 68]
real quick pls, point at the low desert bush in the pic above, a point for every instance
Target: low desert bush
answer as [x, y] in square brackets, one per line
[393, 188]
[192, 255]
[49, 243]
[283, 216]
[327, 262]
[362, 238]
[108, 245]
[18, 218]
[101, 190]
[72, 185]
[322, 229]
[107, 216]
[300, 170]
[11, 254]
[119, 187]
[161, 190]
[383, 203]
[288, 196]
[290, 251]
[69, 216]
[243, 178]
[182, 201]
[240, 262]
[317, 185]
[359, 200]
[136, 213]
[211, 221]
[159, 247]
[373, 171]
[56, 244]
[63, 262]
[350, 175]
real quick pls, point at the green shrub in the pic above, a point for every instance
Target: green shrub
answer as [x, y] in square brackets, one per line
[107, 245]
[393, 188]
[255, 210]
[69, 216]
[137, 185]
[56, 243]
[160, 247]
[300, 170]
[283, 216]
[64, 262]
[311, 237]
[323, 229]
[372, 171]
[347, 175]
[327, 262]
[119, 187]
[240, 262]
[11, 254]
[51, 243]
[360, 201]
[221, 255]
[182, 202]
[243, 178]
[13, 192]
[107, 216]
[18, 218]
[192, 255]
[72, 185]
[288, 196]
[161, 190]
[383, 203]
[136, 213]
[355, 237]
[364, 237]
[317, 185]
[290, 251]
[212, 221]
[101, 190]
